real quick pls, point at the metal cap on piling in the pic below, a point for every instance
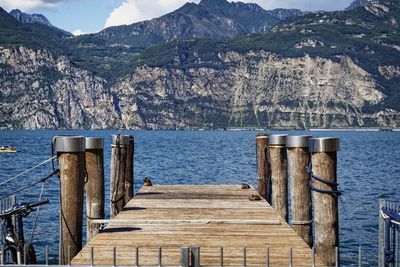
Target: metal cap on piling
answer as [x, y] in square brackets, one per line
[299, 141]
[324, 144]
[94, 143]
[262, 135]
[120, 139]
[70, 144]
[277, 139]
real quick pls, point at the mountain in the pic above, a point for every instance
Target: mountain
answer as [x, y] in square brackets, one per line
[29, 18]
[14, 33]
[322, 69]
[213, 19]
[357, 3]
[33, 19]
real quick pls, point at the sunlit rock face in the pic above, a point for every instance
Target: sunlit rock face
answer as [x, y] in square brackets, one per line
[41, 91]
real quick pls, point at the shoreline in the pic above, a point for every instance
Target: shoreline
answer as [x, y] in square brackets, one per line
[233, 129]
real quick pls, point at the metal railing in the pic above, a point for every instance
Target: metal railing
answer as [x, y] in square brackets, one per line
[5, 204]
[189, 257]
[389, 231]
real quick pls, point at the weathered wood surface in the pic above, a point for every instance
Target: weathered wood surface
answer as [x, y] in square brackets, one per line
[300, 193]
[94, 190]
[72, 177]
[129, 182]
[117, 178]
[262, 166]
[326, 216]
[209, 216]
[279, 183]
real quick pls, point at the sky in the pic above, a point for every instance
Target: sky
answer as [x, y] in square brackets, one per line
[89, 16]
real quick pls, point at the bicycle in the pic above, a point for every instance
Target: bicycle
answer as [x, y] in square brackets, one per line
[15, 249]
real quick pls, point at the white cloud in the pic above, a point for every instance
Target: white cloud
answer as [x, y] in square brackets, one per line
[131, 11]
[78, 32]
[29, 5]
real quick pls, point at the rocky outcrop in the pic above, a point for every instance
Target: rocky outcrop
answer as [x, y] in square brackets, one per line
[39, 91]
[213, 19]
[29, 18]
[259, 89]
[357, 3]
[389, 72]
[26, 18]
[377, 8]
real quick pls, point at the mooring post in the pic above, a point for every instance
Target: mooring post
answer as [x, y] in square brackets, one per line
[71, 162]
[118, 170]
[262, 166]
[298, 158]
[277, 155]
[129, 182]
[325, 197]
[95, 184]
[185, 256]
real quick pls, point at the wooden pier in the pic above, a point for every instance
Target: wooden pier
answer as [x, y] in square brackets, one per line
[208, 216]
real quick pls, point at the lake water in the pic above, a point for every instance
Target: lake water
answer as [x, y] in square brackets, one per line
[368, 169]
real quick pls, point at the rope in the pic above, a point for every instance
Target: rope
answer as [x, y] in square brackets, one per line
[62, 222]
[322, 180]
[323, 191]
[37, 214]
[316, 177]
[69, 230]
[122, 166]
[269, 185]
[28, 170]
[43, 179]
[61, 240]
[52, 153]
[117, 200]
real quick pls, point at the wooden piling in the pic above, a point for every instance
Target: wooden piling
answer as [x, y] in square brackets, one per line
[129, 182]
[262, 166]
[95, 185]
[277, 155]
[298, 158]
[71, 162]
[118, 171]
[325, 205]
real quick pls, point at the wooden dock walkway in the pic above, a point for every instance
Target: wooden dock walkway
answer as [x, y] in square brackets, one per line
[208, 216]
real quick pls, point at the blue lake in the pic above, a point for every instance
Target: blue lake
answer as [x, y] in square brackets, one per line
[368, 169]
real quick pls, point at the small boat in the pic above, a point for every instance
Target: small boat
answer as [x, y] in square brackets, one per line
[7, 149]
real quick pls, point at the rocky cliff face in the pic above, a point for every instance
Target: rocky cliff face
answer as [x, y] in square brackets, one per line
[262, 89]
[214, 19]
[357, 3]
[29, 18]
[39, 91]
[257, 89]
[26, 18]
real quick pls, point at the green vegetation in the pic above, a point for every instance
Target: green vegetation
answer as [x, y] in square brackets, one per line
[357, 33]
[38, 36]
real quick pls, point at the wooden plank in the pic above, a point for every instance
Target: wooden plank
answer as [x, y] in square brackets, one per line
[209, 221]
[207, 216]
